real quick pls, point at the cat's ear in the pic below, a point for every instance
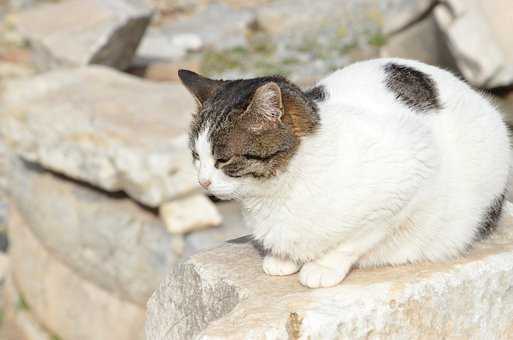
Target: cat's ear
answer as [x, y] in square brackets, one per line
[200, 87]
[267, 102]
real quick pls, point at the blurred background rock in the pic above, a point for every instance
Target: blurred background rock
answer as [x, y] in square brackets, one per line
[98, 196]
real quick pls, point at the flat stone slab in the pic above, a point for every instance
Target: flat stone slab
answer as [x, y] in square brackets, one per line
[78, 32]
[224, 294]
[100, 126]
[64, 303]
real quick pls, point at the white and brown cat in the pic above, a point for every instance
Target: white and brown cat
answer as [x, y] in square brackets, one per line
[386, 161]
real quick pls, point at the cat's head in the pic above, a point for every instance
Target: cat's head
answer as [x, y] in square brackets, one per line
[246, 131]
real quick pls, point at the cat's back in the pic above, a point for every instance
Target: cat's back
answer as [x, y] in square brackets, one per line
[393, 85]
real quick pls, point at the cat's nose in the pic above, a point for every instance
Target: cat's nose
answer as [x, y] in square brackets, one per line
[205, 183]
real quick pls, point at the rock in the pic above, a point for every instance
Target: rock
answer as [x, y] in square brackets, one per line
[224, 294]
[160, 71]
[226, 29]
[189, 214]
[232, 227]
[18, 323]
[423, 42]
[157, 45]
[400, 14]
[478, 34]
[64, 303]
[77, 32]
[108, 240]
[106, 128]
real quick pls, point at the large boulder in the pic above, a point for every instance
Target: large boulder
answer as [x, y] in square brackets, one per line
[224, 294]
[111, 130]
[17, 321]
[64, 303]
[105, 238]
[77, 32]
[479, 37]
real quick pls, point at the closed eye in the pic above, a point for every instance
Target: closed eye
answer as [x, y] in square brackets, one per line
[222, 161]
[195, 155]
[259, 157]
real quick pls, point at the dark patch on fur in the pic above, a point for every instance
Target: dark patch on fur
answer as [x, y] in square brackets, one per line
[412, 87]
[491, 218]
[317, 94]
[241, 150]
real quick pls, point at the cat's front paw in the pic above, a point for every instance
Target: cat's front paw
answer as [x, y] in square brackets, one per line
[317, 275]
[273, 265]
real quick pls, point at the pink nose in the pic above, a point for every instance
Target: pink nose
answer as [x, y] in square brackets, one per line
[205, 183]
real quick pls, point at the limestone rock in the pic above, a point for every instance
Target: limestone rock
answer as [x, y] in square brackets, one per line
[106, 128]
[18, 323]
[226, 28]
[108, 240]
[224, 294]
[77, 32]
[479, 37]
[232, 227]
[399, 14]
[189, 214]
[67, 305]
[423, 42]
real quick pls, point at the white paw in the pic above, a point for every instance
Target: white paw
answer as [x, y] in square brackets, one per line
[316, 275]
[276, 266]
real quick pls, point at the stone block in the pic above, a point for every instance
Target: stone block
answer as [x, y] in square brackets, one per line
[77, 32]
[106, 128]
[64, 303]
[479, 37]
[224, 294]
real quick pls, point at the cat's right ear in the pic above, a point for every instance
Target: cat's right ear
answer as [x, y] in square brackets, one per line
[200, 87]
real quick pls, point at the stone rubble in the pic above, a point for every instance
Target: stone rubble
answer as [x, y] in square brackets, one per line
[62, 36]
[224, 294]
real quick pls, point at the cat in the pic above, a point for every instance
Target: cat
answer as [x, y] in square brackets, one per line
[383, 162]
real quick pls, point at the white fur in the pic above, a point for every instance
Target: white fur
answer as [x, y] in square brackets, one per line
[378, 183]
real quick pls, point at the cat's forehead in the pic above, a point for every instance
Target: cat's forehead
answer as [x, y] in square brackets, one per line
[220, 112]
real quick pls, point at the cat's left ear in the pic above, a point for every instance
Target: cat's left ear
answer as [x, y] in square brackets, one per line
[267, 102]
[200, 87]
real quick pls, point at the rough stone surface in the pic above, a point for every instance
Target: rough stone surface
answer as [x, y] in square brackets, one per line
[64, 303]
[399, 14]
[232, 227]
[223, 293]
[106, 128]
[423, 42]
[106, 239]
[18, 323]
[77, 32]
[479, 37]
[189, 214]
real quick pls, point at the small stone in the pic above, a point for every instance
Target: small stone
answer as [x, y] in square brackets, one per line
[223, 293]
[64, 303]
[77, 32]
[109, 129]
[189, 214]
